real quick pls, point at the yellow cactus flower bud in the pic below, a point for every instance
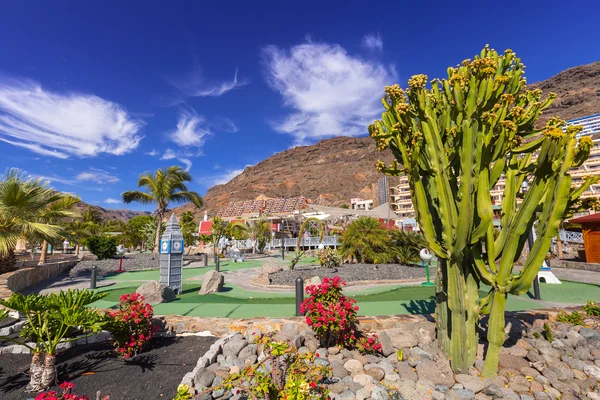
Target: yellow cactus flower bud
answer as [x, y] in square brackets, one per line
[417, 81]
[574, 129]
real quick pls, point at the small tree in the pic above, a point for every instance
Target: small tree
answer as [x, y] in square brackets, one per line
[218, 232]
[102, 246]
[50, 318]
[454, 141]
[366, 241]
[189, 226]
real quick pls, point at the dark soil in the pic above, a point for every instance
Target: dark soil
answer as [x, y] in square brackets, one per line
[350, 273]
[153, 374]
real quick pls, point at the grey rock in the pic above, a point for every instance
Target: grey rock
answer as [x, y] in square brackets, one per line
[363, 379]
[322, 352]
[312, 345]
[541, 396]
[363, 394]
[526, 397]
[473, 383]
[203, 378]
[406, 371]
[333, 350]
[347, 395]
[387, 347]
[338, 387]
[233, 347]
[542, 379]
[436, 372]
[561, 369]
[593, 371]
[212, 282]
[353, 366]
[219, 392]
[248, 351]
[589, 334]
[338, 369]
[321, 361]
[403, 338]
[354, 386]
[155, 293]
[376, 372]
[435, 395]
[583, 353]
[460, 394]
[379, 393]
[493, 391]
[442, 388]
[420, 354]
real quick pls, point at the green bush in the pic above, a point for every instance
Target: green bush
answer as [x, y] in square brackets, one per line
[573, 318]
[592, 309]
[406, 245]
[330, 258]
[102, 246]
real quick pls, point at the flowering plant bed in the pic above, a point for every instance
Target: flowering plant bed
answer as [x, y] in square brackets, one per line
[131, 324]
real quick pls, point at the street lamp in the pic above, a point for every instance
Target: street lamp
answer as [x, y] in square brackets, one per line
[536, 282]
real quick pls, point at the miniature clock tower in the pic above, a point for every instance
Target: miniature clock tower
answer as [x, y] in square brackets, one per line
[171, 255]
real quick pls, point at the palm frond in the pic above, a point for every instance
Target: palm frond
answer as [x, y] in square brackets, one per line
[138, 196]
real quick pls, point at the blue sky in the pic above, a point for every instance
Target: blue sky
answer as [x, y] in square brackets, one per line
[94, 93]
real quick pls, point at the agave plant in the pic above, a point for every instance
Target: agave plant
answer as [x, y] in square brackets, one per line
[50, 318]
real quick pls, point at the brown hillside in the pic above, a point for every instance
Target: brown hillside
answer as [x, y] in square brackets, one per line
[109, 214]
[334, 170]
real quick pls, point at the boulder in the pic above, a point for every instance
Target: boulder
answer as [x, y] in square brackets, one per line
[314, 280]
[262, 279]
[155, 293]
[270, 268]
[212, 282]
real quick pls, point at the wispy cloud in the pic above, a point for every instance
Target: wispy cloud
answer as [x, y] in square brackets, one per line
[110, 200]
[63, 124]
[152, 153]
[191, 130]
[169, 154]
[226, 176]
[97, 175]
[56, 179]
[330, 91]
[197, 85]
[224, 125]
[372, 42]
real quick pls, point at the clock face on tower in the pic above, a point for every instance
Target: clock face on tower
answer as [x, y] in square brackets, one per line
[176, 246]
[164, 246]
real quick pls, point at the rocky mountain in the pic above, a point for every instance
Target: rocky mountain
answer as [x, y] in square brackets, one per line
[332, 171]
[110, 214]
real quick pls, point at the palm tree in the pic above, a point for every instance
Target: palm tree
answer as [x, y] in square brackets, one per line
[366, 241]
[165, 186]
[259, 231]
[187, 221]
[92, 215]
[406, 246]
[24, 208]
[58, 209]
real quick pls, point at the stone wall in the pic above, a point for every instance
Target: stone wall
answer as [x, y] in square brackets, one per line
[575, 265]
[25, 277]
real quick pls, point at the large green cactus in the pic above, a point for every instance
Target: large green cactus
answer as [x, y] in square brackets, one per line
[455, 140]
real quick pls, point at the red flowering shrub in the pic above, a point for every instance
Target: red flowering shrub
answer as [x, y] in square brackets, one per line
[333, 317]
[66, 388]
[368, 344]
[330, 314]
[131, 324]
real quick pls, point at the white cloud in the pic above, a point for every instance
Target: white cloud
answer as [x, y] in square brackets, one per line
[56, 179]
[112, 201]
[224, 124]
[226, 176]
[152, 153]
[64, 124]
[97, 175]
[196, 85]
[191, 130]
[331, 92]
[372, 42]
[170, 155]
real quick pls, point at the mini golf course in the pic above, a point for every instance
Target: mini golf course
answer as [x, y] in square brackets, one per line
[236, 302]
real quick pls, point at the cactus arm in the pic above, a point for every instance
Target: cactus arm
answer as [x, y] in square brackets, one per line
[482, 271]
[441, 183]
[495, 333]
[484, 207]
[424, 217]
[466, 207]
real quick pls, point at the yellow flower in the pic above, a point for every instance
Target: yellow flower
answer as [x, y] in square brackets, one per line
[380, 165]
[555, 133]
[394, 91]
[502, 79]
[417, 81]
[574, 129]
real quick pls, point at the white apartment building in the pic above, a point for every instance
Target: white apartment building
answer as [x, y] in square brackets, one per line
[361, 204]
[400, 194]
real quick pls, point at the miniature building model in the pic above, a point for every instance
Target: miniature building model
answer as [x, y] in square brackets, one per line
[171, 255]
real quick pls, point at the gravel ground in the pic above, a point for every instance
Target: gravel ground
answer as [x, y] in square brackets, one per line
[131, 262]
[350, 273]
[154, 374]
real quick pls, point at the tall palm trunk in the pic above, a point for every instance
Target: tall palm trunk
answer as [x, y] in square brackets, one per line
[8, 263]
[44, 254]
[35, 373]
[158, 227]
[49, 373]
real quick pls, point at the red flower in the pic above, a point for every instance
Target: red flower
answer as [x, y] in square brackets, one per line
[313, 385]
[66, 386]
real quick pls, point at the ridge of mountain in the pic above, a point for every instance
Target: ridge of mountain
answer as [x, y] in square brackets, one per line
[332, 171]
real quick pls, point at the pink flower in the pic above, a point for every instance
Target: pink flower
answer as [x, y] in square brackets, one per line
[66, 386]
